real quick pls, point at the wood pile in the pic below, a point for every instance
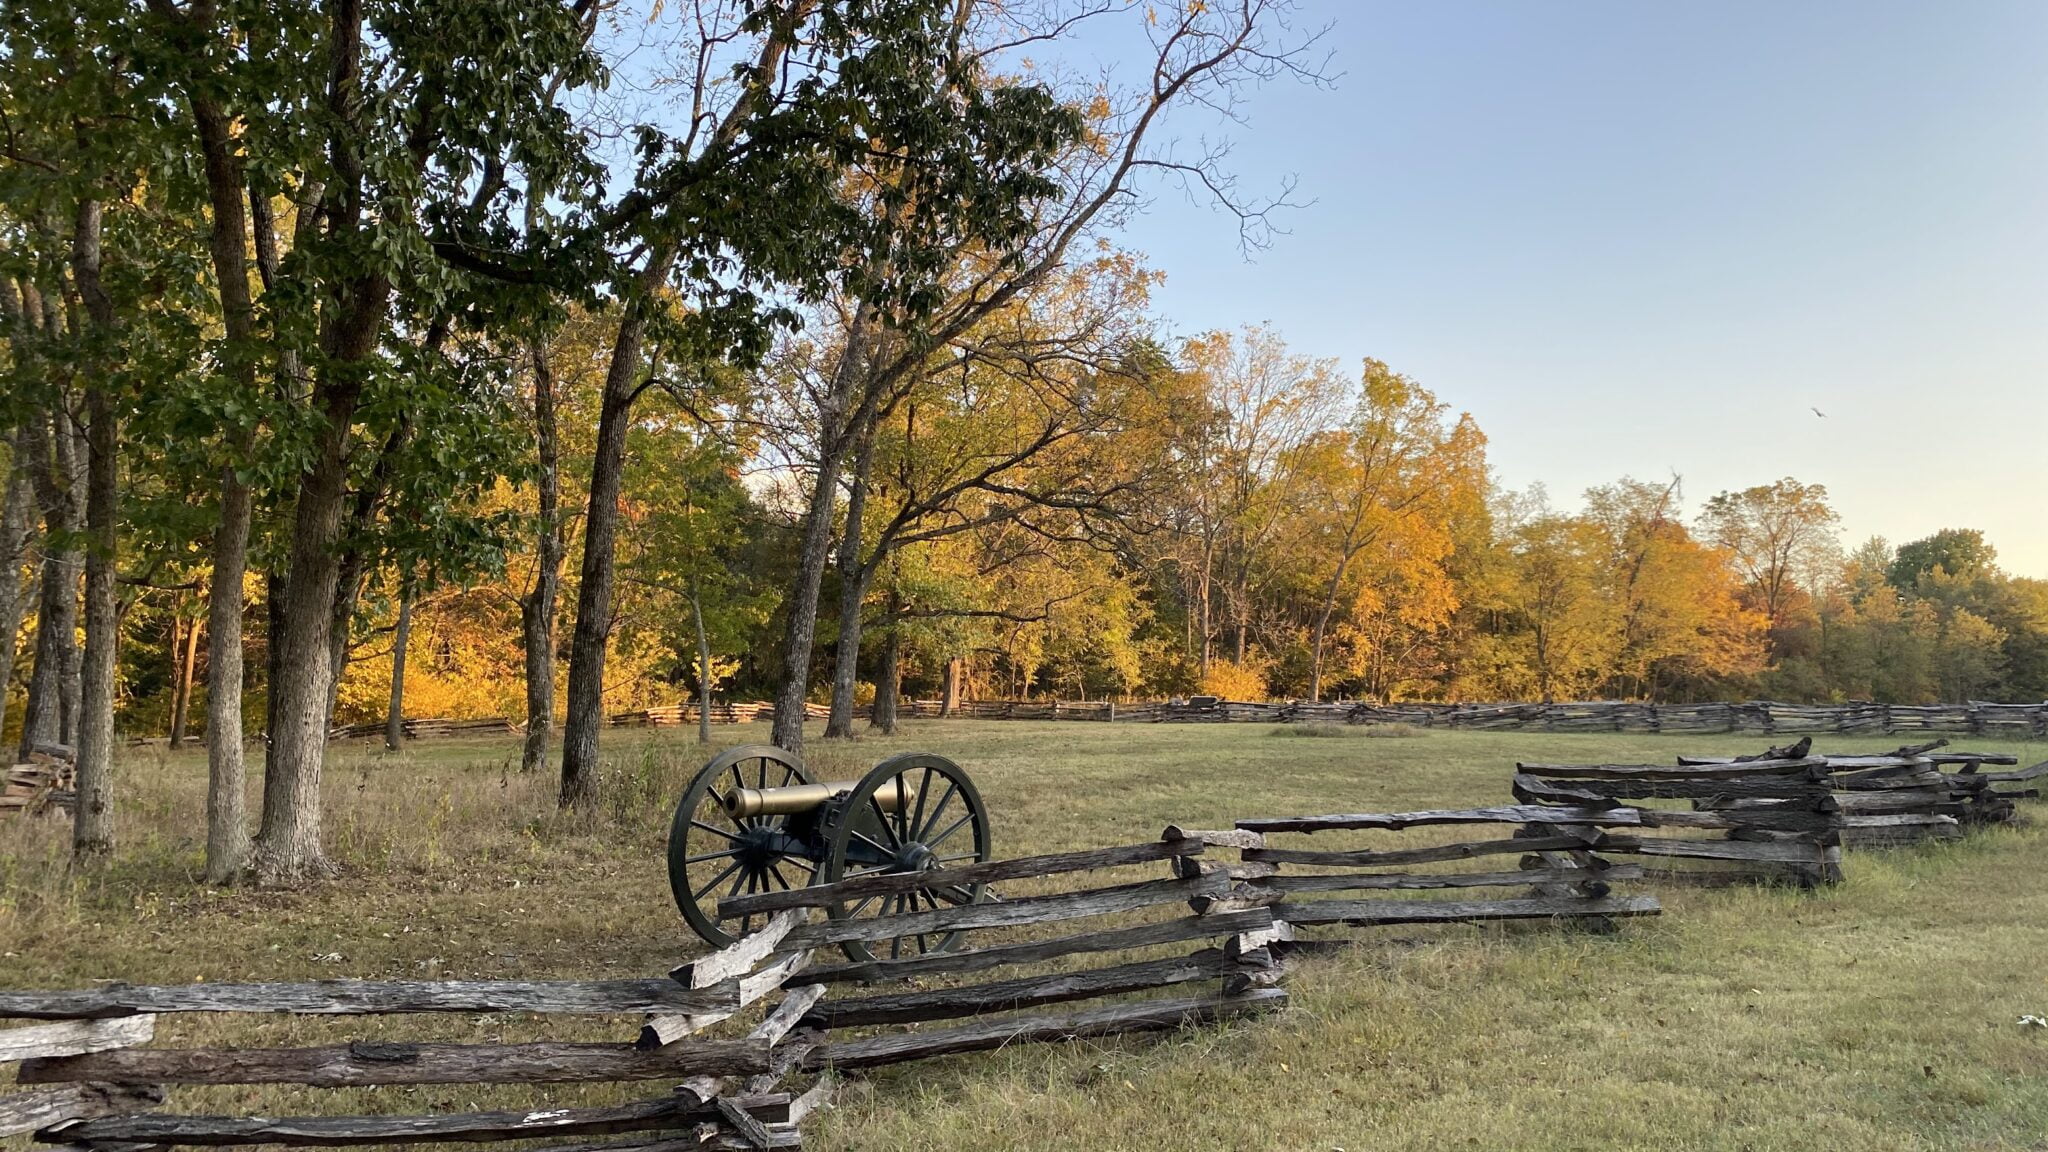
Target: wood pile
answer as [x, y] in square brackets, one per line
[1774, 817]
[91, 1081]
[45, 783]
[1560, 870]
[1048, 936]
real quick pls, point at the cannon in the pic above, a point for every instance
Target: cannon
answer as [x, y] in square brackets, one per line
[754, 820]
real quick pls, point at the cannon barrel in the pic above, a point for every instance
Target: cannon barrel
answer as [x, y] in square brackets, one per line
[741, 803]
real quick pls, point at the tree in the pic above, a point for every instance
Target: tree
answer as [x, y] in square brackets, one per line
[860, 138]
[1567, 629]
[1960, 552]
[1782, 537]
[1683, 628]
[1017, 419]
[1394, 476]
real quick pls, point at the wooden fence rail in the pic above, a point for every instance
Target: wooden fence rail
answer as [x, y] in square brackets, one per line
[86, 1070]
[1761, 717]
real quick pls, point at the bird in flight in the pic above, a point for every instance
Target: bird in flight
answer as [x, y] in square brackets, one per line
[1819, 413]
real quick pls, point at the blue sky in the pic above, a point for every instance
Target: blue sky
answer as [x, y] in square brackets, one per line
[1648, 238]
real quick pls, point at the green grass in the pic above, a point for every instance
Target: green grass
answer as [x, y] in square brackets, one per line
[1877, 1015]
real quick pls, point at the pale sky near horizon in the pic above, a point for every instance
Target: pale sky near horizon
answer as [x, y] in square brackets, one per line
[1646, 238]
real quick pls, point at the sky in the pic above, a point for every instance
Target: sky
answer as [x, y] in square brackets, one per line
[1650, 238]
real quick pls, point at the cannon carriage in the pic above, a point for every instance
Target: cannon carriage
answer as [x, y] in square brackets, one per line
[755, 820]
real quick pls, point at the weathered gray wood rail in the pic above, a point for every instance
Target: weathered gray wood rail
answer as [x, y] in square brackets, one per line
[1772, 817]
[1233, 923]
[1562, 869]
[85, 1072]
[1761, 717]
[364, 997]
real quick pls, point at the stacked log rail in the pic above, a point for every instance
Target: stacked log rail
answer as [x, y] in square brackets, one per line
[1773, 818]
[90, 1078]
[1555, 857]
[1056, 939]
[1920, 793]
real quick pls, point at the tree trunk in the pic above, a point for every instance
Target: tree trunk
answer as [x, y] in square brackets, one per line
[1315, 665]
[16, 509]
[537, 609]
[288, 847]
[186, 657]
[889, 679]
[703, 666]
[227, 825]
[71, 455]
[277, 582]
[801, 627]
[42, 718]
[949, 688]
[356, 560]
[92, 824]
[394, 716]
[588, 644]
[853, 592]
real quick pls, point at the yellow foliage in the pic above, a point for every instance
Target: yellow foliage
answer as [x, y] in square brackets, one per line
[1234, 681]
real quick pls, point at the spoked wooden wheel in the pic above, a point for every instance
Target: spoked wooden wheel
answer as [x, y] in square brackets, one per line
[715, 856]
[910, 813]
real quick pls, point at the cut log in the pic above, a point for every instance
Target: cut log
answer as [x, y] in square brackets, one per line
[981, 959]
[1368, 913]
[1885, 780]
[1765, 851]
[1344, 881]
[369, 997]
[1367, 858]
[1678, 788]
[1395, 821]
[1724, 877]
[1775, 819]
[741, 956]
[1030, 910]
[74, 1037]
[2022, 774]
[982, 1035]
[1025, 992]
[705, 1136]
[343, 1131]
[27, 1111]
[894, 883]
[1804, 767]
[380, 1063]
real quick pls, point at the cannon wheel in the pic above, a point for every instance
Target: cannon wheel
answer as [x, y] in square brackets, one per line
[944, 826]
[710, 856]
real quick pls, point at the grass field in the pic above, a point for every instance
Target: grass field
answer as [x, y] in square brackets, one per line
[1878, 1015]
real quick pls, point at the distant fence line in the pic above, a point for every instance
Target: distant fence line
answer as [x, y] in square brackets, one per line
[1762, 717]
